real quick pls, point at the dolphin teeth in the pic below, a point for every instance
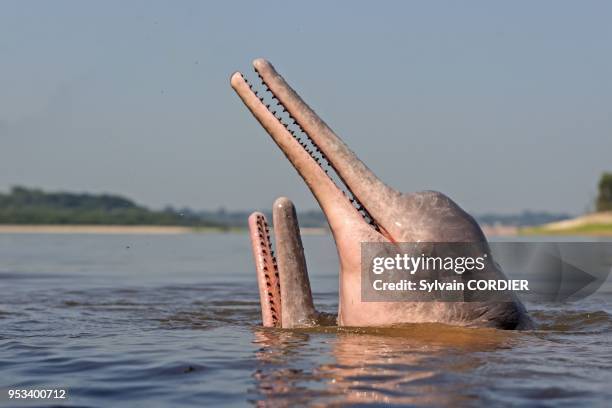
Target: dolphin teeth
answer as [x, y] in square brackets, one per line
[298, 133]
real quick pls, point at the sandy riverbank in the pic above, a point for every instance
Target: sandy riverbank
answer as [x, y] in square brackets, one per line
[499, 230]
[595, 224]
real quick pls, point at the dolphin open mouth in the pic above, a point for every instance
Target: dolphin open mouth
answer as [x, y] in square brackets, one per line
[329, 168]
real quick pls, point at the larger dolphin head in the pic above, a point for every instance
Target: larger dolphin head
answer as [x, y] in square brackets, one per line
[358, 205]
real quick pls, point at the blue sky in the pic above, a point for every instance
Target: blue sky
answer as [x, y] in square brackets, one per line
[503, 106]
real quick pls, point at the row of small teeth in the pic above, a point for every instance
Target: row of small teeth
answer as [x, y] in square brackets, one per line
[264, 241]
[300, 134]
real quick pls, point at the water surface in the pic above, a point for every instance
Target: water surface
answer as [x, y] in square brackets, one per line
[146, 321]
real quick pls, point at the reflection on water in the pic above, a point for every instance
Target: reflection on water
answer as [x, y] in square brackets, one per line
[174, 321]
[413, 364]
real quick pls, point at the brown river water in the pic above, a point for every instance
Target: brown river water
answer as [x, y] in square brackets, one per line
[148, 321]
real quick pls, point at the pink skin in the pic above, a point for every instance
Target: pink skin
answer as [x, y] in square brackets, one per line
[398, 217]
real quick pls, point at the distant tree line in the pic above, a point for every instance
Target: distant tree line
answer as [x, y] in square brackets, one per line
[604, 196]
[33, 206]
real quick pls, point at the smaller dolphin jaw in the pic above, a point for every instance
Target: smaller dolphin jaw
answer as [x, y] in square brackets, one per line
[284, 286]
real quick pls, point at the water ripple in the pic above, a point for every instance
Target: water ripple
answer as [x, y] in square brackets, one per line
[184, 330]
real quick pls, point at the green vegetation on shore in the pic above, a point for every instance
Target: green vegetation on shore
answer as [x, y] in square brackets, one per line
[585, 229]
[604, 196]
[32, 206]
